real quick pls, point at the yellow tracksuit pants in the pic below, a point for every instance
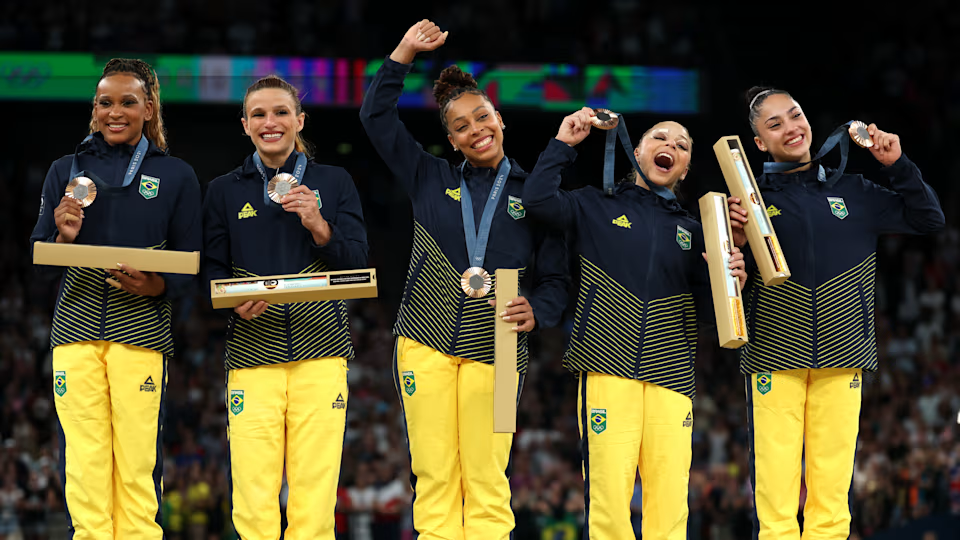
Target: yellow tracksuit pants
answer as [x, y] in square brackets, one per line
[626, 425]
[110, 401]
[459, 466]
[291, 414]
[803, 417]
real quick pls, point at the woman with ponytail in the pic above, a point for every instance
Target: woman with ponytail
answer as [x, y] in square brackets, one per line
[286, 364]
[813, 336]
[469, 221]
[111, 332]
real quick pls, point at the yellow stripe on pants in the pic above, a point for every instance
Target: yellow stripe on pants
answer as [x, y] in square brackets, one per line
[293, 413]
[625, 426]
[459, 464]
[786, 408]
[108, 398]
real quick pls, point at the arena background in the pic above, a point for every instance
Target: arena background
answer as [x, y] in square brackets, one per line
[898, 69]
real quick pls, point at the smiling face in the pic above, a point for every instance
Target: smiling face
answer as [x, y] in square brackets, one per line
[272, 122]
[783, 129]
[664, 154]
[476, 129]
[121, 108]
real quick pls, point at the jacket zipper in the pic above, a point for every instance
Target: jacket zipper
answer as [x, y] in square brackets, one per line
[812, 268]
[103, 310]
[646, 290]
[286, 322]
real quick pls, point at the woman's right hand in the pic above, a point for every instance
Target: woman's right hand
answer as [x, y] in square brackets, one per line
[251, 310]
[69, 227]
[576, 127]
[738, 218]
[421, 37]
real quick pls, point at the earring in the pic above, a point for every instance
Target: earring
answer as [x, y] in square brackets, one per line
[456, 149]
[502, 126]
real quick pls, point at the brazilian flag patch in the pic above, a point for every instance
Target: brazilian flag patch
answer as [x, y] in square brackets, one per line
[683, 238]
[149, 186]
[236, 402]
[60, 383]
[764, 383]
[409, 383]
[838, 207]
[598, 420]
[515, 208]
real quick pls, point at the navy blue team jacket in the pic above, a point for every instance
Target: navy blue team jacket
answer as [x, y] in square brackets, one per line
[434, 309]
[88, 308]
[823, 316]
[246, 236]
[644, 282]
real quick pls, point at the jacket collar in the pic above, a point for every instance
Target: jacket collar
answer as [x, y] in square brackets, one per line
[96, 145]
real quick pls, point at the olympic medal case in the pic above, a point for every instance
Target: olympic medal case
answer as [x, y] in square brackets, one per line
[505, 355]
[727, 296]
[760, 235]
[90, 256]
[293, 288]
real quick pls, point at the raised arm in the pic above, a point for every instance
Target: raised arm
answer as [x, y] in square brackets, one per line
[911, 206]
[379, 115]
[542, 196]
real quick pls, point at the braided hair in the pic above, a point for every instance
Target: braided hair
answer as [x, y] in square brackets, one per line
[153, 128]
[452, 84]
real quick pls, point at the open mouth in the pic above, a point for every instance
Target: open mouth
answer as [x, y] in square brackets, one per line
[483, 143]
[271, 137]
[663, 161]
[116, 127]
[795, 141]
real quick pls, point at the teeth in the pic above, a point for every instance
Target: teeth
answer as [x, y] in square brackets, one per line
[795, 139]
[482, 142]
[116, 126]
[272, 136]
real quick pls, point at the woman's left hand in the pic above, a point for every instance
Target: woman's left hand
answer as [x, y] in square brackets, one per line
[519, 311]
[133, 281]
[886, 146]
[302, 201]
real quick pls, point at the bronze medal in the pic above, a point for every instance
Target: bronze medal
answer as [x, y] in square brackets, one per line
[858, 132]
[605, 119]
[281, 185]
[82, 189]
[476, 282]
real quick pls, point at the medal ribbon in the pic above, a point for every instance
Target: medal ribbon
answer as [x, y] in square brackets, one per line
[477, 240]
[132, 169]
[608, 159]
[298, 170]
[836, 137]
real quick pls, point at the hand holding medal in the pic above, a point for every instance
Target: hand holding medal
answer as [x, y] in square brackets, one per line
[68, 216]
[80, 193]
[576, 126]
[884, 146]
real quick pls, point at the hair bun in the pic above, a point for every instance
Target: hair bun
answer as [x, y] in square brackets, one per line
[452, 79]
